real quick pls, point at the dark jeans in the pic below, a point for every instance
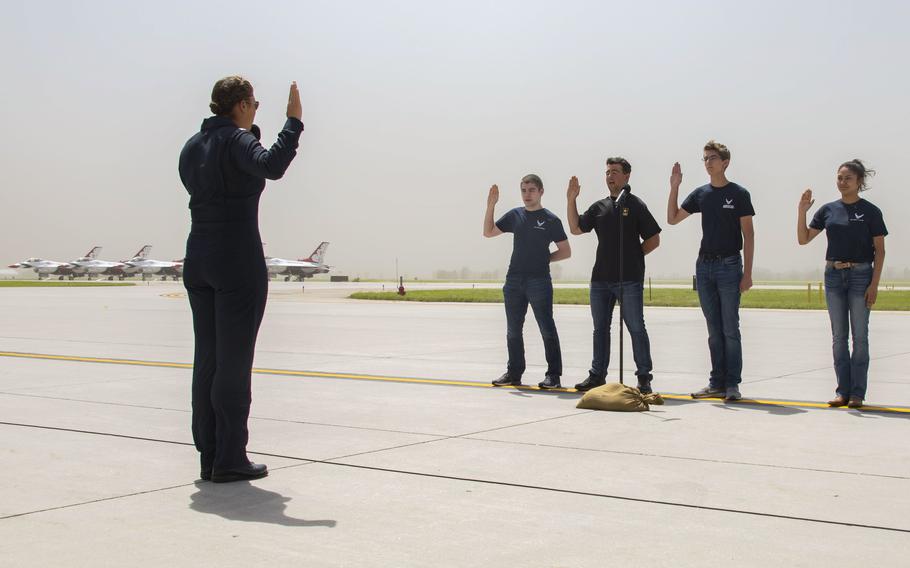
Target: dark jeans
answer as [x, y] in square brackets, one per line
[519, 291]
[227, 288]
[845, 292]
[603, 298]
[718, 293]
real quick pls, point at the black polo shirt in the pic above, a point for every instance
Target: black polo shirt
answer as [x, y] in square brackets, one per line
[533, 232]
[850, 228]
[721, 209]
[637, 225]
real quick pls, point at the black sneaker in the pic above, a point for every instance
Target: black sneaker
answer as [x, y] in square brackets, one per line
[710, 392]
[507, 380]
[591, 382]
[550, 382]
[644, 384]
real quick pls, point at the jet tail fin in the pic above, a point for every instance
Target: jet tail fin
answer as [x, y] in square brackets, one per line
[143, 252]
[318, 255]
[93, 253]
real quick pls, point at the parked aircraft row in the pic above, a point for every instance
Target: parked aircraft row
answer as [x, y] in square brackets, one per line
[90, 266]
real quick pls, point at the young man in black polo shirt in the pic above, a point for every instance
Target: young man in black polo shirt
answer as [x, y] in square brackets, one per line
[641, 235]
[721, 272]
[528, 280]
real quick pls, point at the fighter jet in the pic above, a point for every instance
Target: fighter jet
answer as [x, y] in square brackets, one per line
[141, 264]
[90, 266]
[300, 268]
[45, 268]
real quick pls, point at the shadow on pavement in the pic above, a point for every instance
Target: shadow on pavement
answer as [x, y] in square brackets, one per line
[744, 404]
[242, 501]
[868, 411]
[876, 412]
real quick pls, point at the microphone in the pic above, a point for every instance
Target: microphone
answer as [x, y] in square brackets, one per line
[623, 193]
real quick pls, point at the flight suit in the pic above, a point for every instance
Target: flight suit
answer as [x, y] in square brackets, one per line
[224, 169]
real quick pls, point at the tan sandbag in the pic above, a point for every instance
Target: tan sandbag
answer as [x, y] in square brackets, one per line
[614, 396]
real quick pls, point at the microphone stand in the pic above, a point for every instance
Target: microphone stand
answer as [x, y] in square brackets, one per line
[618, 204]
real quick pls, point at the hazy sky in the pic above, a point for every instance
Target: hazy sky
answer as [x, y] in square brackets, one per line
[413, 109]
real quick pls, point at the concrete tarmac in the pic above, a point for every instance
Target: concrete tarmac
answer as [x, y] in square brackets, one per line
[98, 467]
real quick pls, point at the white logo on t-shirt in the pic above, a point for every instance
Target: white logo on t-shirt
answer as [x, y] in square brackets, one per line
[729, 204]
[858, 217]
[540, 225]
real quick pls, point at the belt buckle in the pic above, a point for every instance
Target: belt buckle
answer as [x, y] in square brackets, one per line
[838, 265]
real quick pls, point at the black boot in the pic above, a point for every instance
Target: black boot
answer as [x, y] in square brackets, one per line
[644, 384]
[507, 380]
[591, 382]
[240, 473]
[550, 382]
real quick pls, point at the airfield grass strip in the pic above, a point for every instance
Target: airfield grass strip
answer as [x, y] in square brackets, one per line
[890, 300]
[57, 284]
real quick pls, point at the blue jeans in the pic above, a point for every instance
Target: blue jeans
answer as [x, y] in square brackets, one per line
[519, 291]
[718, 293]
[845, 292]
[603, 298]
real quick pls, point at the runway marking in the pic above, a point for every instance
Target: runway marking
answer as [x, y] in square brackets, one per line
[412, 380]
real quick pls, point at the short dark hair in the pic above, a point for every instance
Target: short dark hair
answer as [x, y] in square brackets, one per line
[722, 150]
[860, 170]
[533, 178]
[626, 166]
[227, 92]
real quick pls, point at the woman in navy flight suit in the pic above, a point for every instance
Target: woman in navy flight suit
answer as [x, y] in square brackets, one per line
[224, 168]
[854, 260]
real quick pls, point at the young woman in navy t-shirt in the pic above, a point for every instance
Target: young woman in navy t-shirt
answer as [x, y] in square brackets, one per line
[854, 259]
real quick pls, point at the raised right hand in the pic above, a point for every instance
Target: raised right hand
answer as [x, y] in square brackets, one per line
[676, 176]
[574, 189]
[806, 201]
[493, 197]
[295, 109]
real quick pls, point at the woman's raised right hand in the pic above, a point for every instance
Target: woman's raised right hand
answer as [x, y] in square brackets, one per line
[806, 201]
[295, 109]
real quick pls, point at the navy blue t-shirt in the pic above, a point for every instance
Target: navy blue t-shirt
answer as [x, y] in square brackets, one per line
[638, 225]
[850, 229]
[533, 232]
[720, 208]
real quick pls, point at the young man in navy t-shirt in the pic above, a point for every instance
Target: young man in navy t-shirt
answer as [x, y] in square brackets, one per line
[528, 280]
[722, 273]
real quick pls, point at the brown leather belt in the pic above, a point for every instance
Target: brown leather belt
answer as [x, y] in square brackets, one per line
[839, 265]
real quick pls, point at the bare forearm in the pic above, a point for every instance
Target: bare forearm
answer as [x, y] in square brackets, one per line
[877, 266]
[488, 223]
[562, 252]
[673, 205]
[650, 244]
[572, 217]
[748, 253]
[802, 229]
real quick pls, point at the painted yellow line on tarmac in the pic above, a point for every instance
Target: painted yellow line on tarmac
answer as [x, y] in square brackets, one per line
[284, 372]
[441, 382]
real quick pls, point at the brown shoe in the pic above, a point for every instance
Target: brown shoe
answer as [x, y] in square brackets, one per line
[855, 402]
[838, 401]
